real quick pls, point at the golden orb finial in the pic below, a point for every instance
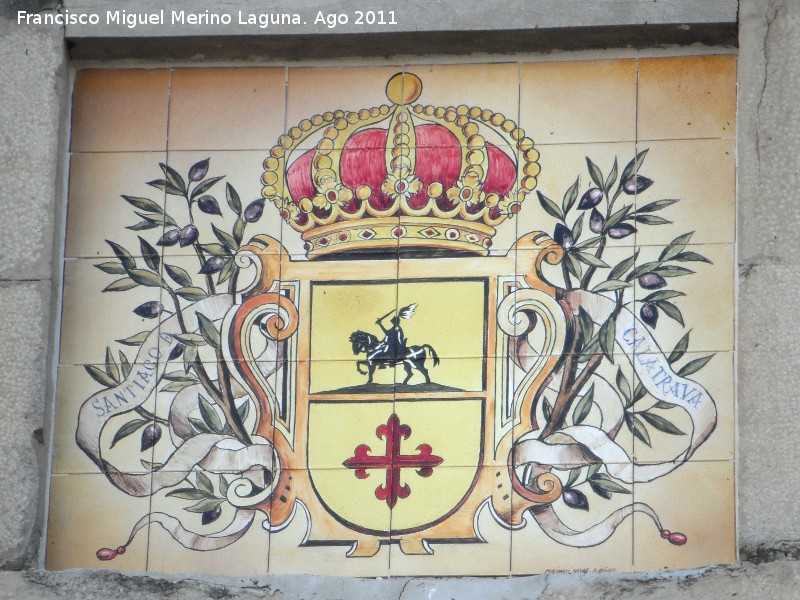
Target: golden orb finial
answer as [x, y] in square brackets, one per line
[403, 88]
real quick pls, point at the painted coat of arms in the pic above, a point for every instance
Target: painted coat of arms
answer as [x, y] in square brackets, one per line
[404, 383]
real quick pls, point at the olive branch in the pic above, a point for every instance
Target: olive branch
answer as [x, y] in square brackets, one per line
[605, 211]
[215, 259]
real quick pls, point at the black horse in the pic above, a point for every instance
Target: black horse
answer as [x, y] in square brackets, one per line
[378, 358]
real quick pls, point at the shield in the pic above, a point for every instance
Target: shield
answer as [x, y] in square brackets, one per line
[407, 444]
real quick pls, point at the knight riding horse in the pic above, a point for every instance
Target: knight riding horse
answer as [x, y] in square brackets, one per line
[393, 350]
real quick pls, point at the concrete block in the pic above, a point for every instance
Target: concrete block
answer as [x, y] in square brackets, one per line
[767, 298]
[521, 26]
[413, 15]
[775, 579]
[34, 92]
[768, 452]
[769, 129]
[24, 330]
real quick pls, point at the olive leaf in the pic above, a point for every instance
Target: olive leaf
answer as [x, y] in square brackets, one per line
[607, 336]
[694, 366]
[617, 217]
[589, 349]
[577, 228]
[661, 405]
[547, 409]
[662, 295]
[123, 255]
[244, 410]
[165, 186]
[612, 285]
[680, 349]
[127, 429]
[589, 259]
[675, 246]
[637, 428]
[188, 494]
[573, 477]
[157, 220]
[205, 505]
[144, 204]
[150, 254]
[608, 485]
[593, 469]
[136, 339]
[124, 365]
[190, 339]
[204, 483]
[669, 309]
[215, 249]
[550, 207]
[586, 323]
[204, 186]
[120, 285]
[583, 407]
[176, 386]
[672, 271]
[227, 270]
[651, 220]
[643, 268]
[238, 230]
[588, 243]
[189, 356]
[639, 392]
[612, 177]
[210, 416]
[633, 166]
[661, 423]
[691, 256]
[100, 376]
[199, 425]
[623, 386]
[111, 366]
[573, 266]
[657, 205]
[595, 173]
[143, 225]
[623, 266]
[173, 177]
[208, 330]
[223, 486]
[193, 294]
[111, 268]
[178, 376]
[146, 278]
[178, 275]
[570, 196]
[227, 241]
[233, 199]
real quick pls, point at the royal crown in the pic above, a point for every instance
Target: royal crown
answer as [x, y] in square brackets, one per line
[401, 176]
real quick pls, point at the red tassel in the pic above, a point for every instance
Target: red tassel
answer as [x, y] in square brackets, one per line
[106, 554]
[677, 538]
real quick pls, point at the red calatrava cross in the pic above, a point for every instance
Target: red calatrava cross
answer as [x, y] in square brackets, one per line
[393, 461]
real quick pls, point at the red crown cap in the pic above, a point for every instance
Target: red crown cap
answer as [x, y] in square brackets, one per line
[427, 179]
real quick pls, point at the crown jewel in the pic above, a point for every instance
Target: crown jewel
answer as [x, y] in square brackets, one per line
[404, 175]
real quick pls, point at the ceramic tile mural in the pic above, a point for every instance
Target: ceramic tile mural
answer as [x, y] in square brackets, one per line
[399, 320]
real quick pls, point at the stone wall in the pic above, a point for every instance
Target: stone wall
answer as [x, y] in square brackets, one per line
[34, 65]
